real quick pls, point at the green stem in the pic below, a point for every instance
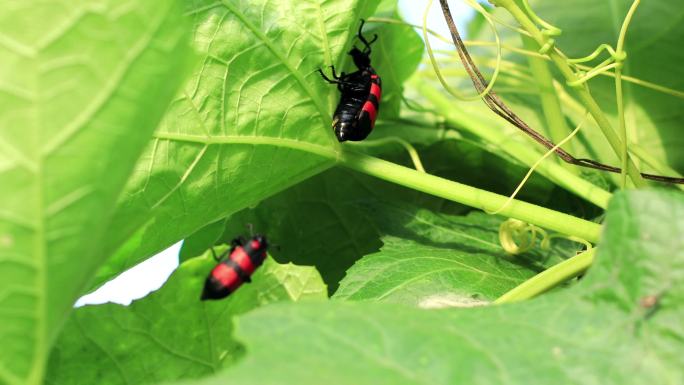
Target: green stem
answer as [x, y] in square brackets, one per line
[619, 52]
[621, 126]
[487, 130]
[549, 278]
[470, 196]
[555, 119]
[583, 92]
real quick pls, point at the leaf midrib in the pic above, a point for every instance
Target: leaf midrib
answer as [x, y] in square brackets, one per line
[36, 373]
[323, 151]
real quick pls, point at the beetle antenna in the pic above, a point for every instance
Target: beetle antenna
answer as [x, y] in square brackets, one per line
[250, 227]
[363, 39]
[360, 28]
[367, 51]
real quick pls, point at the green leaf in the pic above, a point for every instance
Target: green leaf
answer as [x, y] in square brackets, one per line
[427, 276]
[654, 119]
[252, 120]
[82, 86]
[619, 325]
[170, 334]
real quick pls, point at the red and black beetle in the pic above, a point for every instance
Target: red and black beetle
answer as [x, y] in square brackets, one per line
[231, 272]
[360, 93]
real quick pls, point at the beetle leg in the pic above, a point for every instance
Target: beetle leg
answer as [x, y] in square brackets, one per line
[367, 51]
[213, 252]
[332, 68]
[327, 79]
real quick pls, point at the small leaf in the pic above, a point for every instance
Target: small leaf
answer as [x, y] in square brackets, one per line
[427, 276]
[170, 334]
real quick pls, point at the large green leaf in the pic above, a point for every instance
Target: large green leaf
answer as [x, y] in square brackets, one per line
[82, 86]
[253, 120]
[170, 334]
[620, 325]
[427, 276]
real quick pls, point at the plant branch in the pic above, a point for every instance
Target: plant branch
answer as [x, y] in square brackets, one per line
[583, 92]
[549, 278]
[553, 114]
[500, 108]
[620, 53]
[470, 196]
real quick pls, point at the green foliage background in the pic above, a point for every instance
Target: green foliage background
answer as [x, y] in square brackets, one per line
[127, 126]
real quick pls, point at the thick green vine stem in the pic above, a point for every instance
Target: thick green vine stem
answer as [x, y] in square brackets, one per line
[620, 57]
[584, 95]
[471, 196]
[549, 278]
[551, 107]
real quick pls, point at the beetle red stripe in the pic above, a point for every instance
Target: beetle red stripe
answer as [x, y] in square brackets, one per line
[369, 107]
[242, 259]
[376, 90]
[225, 275]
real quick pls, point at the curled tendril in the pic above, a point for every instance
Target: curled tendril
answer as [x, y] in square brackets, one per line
[596, 53]
[517, 237]
[615, 61]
